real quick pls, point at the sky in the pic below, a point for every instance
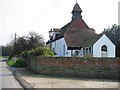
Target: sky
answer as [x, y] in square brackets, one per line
[24, 16]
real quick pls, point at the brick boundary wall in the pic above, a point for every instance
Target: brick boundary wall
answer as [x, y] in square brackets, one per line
[105, 68]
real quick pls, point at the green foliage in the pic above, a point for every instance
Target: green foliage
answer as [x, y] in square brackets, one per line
[10, 57]
[39, 51]
[7, 50]
[24, 54]
[16, 63]
[20, 45]
[43, 51]
[20, 63]
[24, 43]
[11, 62]
[48, 52]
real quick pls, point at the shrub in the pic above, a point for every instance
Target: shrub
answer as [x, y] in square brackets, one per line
[18, 63]
[39, 51]
[11, 62]
[48, 52]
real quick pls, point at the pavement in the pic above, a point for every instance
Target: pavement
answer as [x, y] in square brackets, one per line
[7, 79]
[31, 80]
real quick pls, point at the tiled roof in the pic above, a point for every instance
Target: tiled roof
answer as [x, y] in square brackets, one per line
[77, 34]
[64, 28]
[90, 41]
[79, 23]
[76, 38]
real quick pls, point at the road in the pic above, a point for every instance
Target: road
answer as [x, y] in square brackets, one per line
[7, 80]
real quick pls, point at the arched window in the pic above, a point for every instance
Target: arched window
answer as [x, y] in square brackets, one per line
[104, 51]
[104, 48]
[76, 53]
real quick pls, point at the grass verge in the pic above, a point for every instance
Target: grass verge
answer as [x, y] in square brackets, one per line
[3, 57]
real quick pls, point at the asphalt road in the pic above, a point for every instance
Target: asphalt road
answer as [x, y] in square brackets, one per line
[7, 80]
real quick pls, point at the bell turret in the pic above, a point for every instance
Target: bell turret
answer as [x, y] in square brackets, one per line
[76, 12]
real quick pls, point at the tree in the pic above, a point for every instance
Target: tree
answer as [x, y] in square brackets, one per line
[35, 40]
[25, 43]
[20, 45]
[7, 50]
[113, 34]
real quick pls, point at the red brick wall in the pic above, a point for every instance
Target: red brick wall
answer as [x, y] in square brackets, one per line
[76, 67]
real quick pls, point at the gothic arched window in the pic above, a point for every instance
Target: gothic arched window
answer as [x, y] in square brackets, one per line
[104, 48]
[104, 51]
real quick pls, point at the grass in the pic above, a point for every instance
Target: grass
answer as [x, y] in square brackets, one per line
[1, 57]
[17, 64]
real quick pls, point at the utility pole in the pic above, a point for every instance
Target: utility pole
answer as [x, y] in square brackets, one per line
[15, 43]
[14, 48]
[15, 39]
[1, 48]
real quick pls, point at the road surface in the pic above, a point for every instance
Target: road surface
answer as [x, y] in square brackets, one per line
[7, 80]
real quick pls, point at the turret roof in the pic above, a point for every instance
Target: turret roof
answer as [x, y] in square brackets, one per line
[76, 8]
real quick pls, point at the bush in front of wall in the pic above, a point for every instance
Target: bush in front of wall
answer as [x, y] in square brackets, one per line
[16, 63]
[39, 51]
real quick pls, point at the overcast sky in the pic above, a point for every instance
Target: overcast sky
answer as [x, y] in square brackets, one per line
[23, 16]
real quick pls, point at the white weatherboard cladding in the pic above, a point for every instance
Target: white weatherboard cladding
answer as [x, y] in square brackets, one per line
[60, 48]
[104, 40]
